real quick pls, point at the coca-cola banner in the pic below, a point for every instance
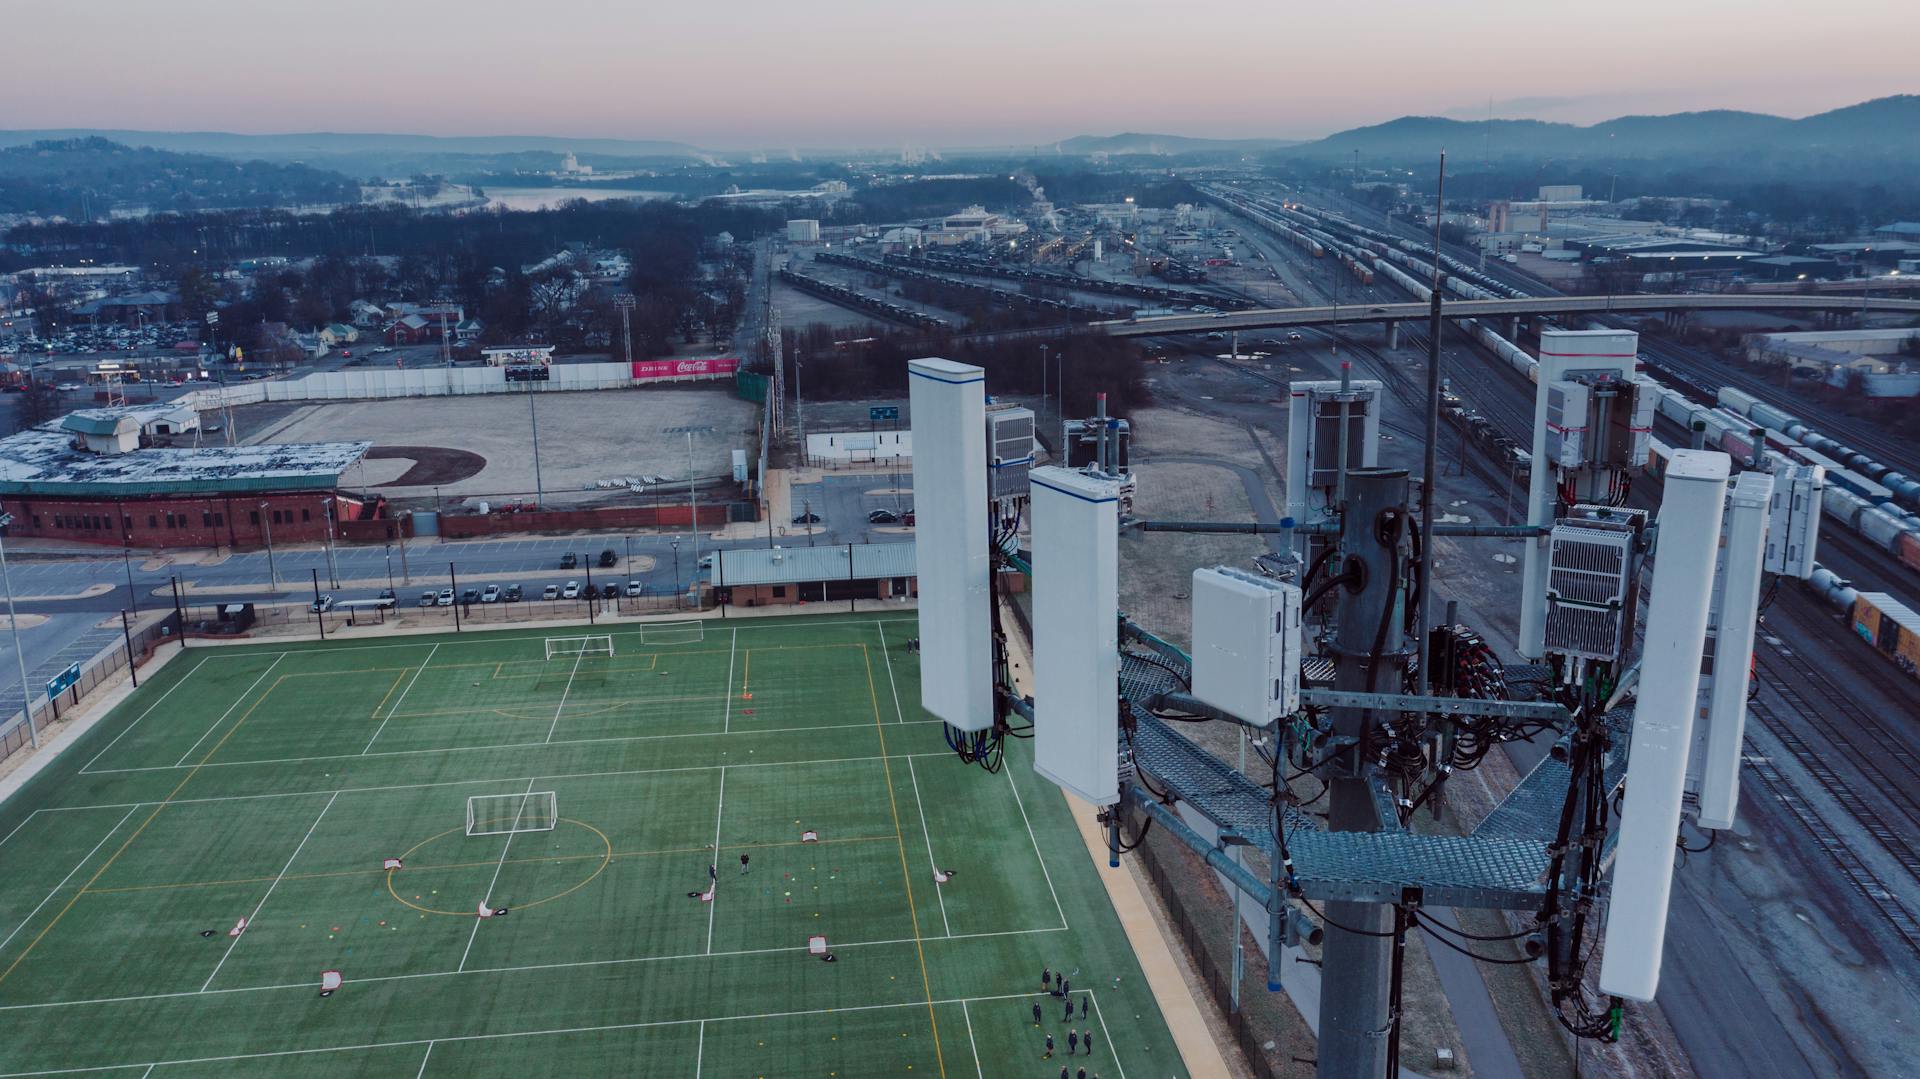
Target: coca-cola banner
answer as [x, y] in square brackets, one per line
[648, 369]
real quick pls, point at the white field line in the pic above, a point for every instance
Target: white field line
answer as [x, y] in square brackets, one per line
[482, 749]
[498, 866]
[257, 907]
[423, 1061]
[699, 1051]
[1107, 1034]
[726, 718]
[230, 708]
[143, 714]
[403, 696]
[548, 1033]
[713, 873]
[899, 714]
[938, 892]
[479, 637]
[526, 969]
[495, 781]
[564, 694]
[967, 1014]
[1036, 848]
[63, 880]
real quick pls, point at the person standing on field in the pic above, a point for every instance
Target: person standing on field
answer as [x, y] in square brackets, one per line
[1048, 1055]
[743, 865]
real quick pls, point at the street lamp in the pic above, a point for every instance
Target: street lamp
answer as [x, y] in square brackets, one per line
[693, 497]
[19, 652]
[126, 559]
[266, 522]
[676, 570]
[390, 569]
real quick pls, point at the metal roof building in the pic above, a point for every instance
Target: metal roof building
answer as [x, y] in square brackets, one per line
[792, 565]
[43, 463]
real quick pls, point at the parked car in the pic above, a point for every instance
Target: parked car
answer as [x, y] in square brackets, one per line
[511, 595]
[635, 589]
[571, 591]
[1296, 336]
[807, 519]
[569, 560]
[608, 558]
[445, 598]
[387, 594]
[609, 591]
[552, 591]
[321, 605]
[882, 517]
[469, 596]
[490, 594]
[426, 599]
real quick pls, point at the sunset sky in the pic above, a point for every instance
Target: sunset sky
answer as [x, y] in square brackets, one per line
[760, 73]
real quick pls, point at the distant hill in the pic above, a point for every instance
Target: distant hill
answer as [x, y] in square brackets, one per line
[89, 177]
[1163, 145]
[1888, 128]
[325, 143]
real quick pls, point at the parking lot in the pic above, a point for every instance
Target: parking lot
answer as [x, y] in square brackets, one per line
[843, 504]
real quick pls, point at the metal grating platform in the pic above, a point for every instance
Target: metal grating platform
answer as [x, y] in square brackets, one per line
[1501, 865]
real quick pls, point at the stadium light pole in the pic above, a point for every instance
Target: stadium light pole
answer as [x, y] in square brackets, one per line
[13, 621]
[693, 501]
[126, 559]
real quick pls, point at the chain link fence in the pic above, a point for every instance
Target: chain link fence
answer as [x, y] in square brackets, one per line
[109, 661]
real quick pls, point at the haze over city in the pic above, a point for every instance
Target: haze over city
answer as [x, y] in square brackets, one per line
[878, 538]
[760, 73]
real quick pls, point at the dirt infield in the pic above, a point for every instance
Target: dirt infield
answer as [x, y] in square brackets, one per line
[431, 464]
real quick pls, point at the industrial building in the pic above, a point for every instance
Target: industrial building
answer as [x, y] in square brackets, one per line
[803, 230]
[108, 476]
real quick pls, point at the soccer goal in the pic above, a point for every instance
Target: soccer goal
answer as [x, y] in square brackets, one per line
[671, 632]
[568, 647]
[504, 814]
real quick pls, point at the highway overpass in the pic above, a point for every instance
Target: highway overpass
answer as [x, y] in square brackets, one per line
[1270, 318]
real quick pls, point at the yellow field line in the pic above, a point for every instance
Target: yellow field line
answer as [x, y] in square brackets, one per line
[171, 795]
[397, 679]
[906, 875]
[182, 885]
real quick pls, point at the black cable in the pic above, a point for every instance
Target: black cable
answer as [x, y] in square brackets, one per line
[1444, 927]
[1422, 922]
[1150, 658]
[1318, 913]
[1712, 838]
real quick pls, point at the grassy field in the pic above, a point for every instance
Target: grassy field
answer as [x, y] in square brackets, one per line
[271, 783]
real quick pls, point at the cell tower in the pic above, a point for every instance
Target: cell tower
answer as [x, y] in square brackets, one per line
[1320, 660]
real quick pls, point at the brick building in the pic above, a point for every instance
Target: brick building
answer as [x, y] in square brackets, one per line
[104, 476]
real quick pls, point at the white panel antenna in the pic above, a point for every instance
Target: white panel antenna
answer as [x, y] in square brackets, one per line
[1076, 632]
[1313, 443]
[1688, 544]
[1715, 758]
[1793, 520]
[950, 543]
[1246, 644]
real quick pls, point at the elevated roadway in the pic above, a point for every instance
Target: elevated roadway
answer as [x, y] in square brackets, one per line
[1344, 314]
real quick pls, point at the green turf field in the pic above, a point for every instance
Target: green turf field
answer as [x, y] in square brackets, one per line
[270, 782]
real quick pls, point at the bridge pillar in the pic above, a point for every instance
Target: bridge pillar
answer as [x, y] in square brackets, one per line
[1393, 334]
[1513, 328]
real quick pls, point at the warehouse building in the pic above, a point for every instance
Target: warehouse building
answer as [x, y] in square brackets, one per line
[105, 476]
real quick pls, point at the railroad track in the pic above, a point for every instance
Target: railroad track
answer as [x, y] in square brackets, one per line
[1880, 755]
[1864, 880]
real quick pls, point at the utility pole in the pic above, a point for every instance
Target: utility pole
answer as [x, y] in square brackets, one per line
[533, 425]
[1370, 650]
[266, 522]
[327, 507]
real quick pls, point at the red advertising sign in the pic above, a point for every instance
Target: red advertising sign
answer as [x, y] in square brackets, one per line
[649, 369]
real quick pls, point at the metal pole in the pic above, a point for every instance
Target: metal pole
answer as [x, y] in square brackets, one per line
[266, 522]
[179, 614]
[593, 597]
[533, 422]
[1355, 991]
[390, 587]
[19, 652]
[676, 572]
[126, 559]
[1431, 462]
[850, 607]
[693, 511]
[333, 573]
[319, 616]
[454, 580]
[126, 634]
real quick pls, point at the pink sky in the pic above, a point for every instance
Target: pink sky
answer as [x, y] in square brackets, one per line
[759, 73]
